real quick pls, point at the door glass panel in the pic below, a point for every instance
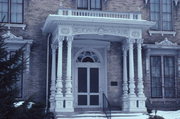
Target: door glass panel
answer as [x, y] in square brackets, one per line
[94, 100]
[94, 80]
[82, 79]
[82, 99]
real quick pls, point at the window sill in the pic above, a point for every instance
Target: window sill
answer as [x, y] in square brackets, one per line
[23, 26]
[164, 100]
[162, 32]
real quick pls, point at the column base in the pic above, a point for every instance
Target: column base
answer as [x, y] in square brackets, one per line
[142, 104]
[52, 106]
[125, 103]
[69, 104]
[59, 104]
[132, 103]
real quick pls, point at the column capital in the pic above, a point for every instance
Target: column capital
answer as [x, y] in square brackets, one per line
[130, 41]
[60, 38]
[54, 46]
[70, 38]
[139, 41]
[125, 47]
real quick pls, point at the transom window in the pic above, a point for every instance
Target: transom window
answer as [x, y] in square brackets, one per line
[161, 13]
[88, 56]
[162, 76]
[89, 4]
[11, 11]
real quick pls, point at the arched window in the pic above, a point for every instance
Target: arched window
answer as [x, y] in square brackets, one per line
[88, 56]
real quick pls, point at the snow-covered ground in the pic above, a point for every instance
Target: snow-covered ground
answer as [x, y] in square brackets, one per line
[169, 114]
[165, 114]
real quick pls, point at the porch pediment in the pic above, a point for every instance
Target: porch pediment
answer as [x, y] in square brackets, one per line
[78, 22]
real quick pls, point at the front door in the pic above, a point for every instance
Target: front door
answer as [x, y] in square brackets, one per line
[88, 89]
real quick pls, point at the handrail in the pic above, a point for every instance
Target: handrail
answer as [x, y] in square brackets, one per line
[99, 14]
[106, 107]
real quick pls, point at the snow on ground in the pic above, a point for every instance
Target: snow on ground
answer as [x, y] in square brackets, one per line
[17, 104]
[169, 114]
[165, 114]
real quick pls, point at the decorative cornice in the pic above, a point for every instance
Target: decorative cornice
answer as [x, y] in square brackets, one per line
[10, 36]
[165, 42]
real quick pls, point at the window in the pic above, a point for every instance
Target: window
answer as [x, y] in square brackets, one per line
[161, 13]
[88, 56]
[11, 11]
[19, 80]
[162, 76]
[89, 4]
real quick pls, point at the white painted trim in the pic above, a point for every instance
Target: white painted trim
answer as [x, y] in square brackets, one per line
[54, 20]
[23, 26]
[162, 33]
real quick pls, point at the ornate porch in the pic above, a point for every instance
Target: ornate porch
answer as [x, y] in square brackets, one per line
[69, 25]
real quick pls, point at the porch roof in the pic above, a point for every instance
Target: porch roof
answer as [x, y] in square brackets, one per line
[110, 23]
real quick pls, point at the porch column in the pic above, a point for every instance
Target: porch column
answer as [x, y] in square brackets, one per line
[131, 68]
[59, 96]
[132, 98]
[140, 86]
[68, 94]
[53, 79]
[125, 79]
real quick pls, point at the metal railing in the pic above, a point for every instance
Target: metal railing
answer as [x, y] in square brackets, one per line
[99, 14]
[106, 106]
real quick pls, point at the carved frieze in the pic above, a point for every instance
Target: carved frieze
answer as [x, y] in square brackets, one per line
[100, 30]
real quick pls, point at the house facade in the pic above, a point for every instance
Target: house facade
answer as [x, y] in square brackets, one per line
[79, 51]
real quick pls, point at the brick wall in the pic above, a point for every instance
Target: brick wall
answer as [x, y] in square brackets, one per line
[36, 12]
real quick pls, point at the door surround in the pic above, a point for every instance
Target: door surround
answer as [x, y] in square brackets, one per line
[99, 63]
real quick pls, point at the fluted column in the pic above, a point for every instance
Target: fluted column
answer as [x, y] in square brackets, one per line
[53, 79]
[140, 85]
[131, 68]
[125, 79]
[59, 85]
[68, 94]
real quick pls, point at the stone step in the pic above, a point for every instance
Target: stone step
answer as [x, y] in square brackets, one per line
[94, 115]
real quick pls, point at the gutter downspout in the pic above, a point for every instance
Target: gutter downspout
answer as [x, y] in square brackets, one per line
[47, 74]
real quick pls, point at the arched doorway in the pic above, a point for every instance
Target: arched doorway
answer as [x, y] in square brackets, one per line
[88, 80]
